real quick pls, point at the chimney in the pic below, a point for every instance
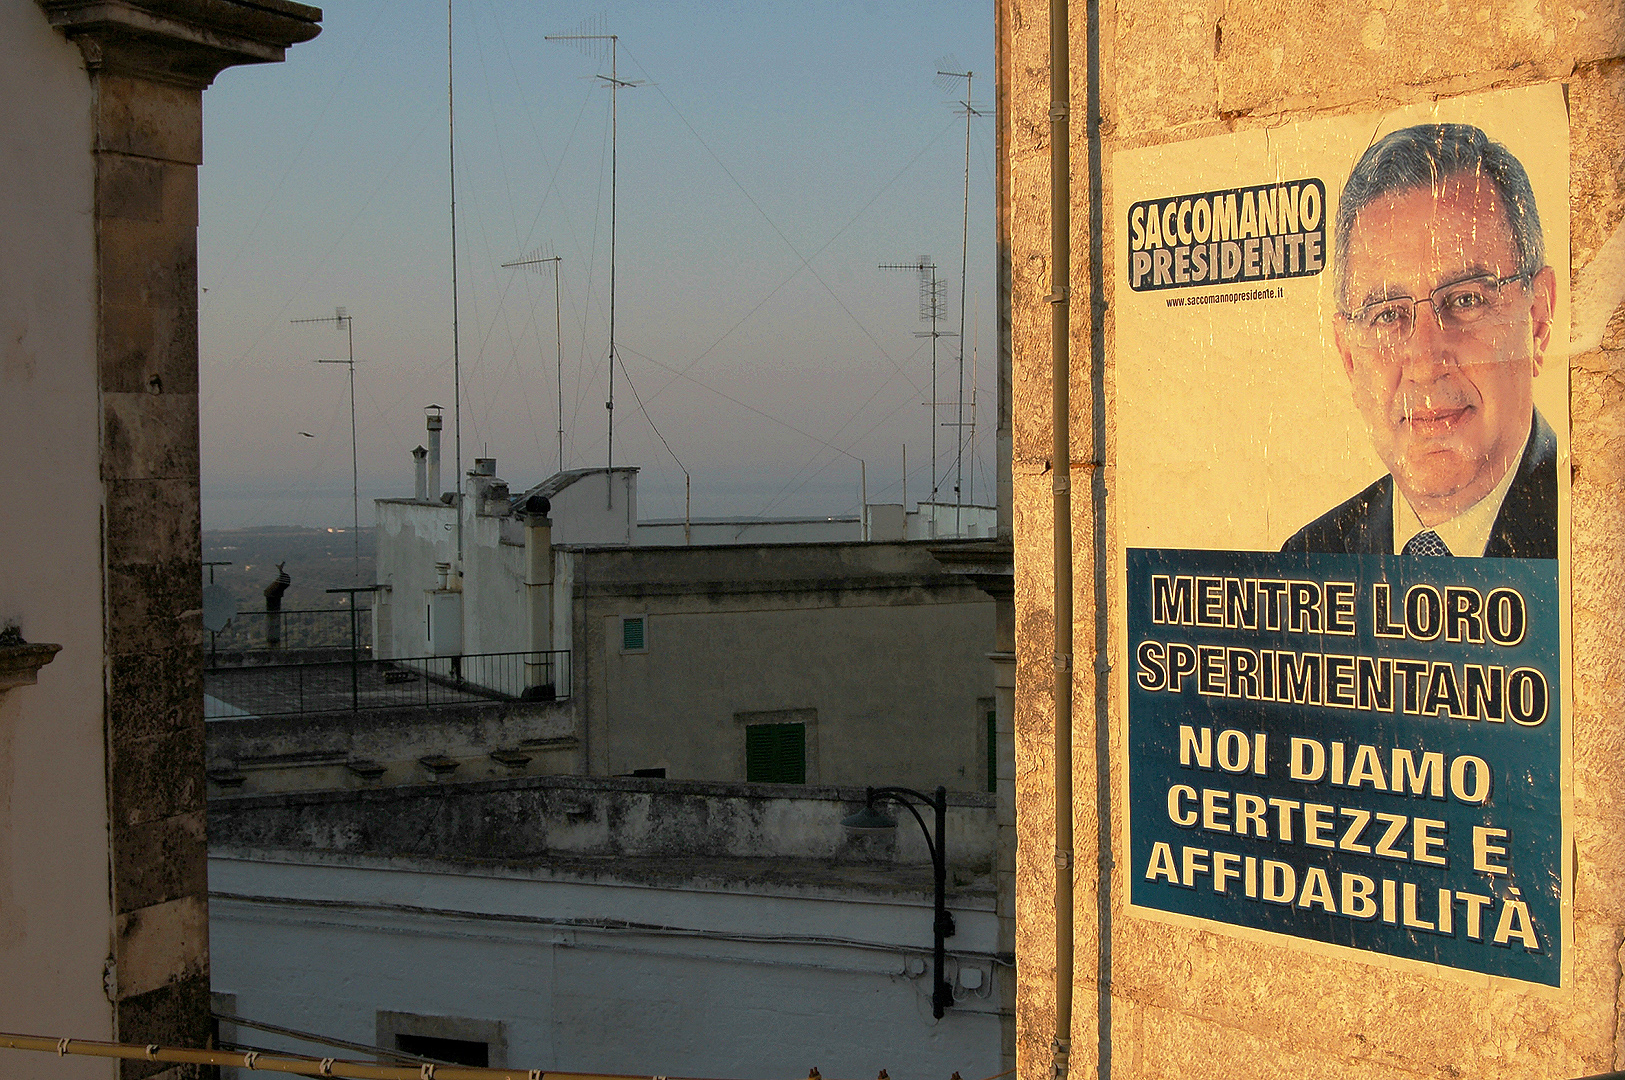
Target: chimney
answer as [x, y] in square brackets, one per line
[435, 423]
[420, 490]
[541, 680]
[273, 607]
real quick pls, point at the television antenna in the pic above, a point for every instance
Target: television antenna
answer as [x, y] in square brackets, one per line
[590, 38]
[456, 359]
[534, 261]
[948, 79]
[344, 321]
[931, 312]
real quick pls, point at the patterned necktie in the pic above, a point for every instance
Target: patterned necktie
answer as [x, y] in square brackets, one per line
[1426, 542]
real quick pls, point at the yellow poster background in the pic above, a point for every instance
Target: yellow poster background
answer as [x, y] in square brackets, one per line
[1234, 422]
[1235, 425]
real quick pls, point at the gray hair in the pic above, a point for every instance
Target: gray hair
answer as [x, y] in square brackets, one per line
[1423, 157]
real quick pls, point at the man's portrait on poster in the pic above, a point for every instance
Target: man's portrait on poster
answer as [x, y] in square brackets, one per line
[1444, 312]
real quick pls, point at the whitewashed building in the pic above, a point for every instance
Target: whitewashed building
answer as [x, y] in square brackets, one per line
[629, 926]
[550, 641]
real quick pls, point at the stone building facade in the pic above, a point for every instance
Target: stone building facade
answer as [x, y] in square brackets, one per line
[1170, 999]
[103, 881]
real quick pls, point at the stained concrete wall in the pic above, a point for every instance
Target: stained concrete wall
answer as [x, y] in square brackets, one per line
[627, 818]
[54, 913]
[252, 755]
[613, 925]
[1194, 1003]
[874, 647]
[741, 975]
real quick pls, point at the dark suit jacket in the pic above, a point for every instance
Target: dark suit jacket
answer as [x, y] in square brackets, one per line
[1526, 527]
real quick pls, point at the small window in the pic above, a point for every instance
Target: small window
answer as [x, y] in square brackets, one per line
[633, 638]
[454, 1040]
[776, 753]
[446, 1051]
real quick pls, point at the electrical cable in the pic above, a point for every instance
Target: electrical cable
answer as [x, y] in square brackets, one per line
[646, 416]
[342, 234]
[298, 154]
[306, 1036]
[806, 262]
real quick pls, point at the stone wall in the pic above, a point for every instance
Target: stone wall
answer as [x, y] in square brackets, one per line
[103, 882]
[538, 817]
[257, 755]
[1199, 1003]
[51, 739]
[876, 648]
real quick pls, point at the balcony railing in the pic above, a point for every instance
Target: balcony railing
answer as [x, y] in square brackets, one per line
[295, 628]
[395, 683]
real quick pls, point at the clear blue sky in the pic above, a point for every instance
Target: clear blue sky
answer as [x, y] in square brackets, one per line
[774, 155]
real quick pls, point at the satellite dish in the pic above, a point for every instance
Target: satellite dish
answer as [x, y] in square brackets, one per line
[219, 607]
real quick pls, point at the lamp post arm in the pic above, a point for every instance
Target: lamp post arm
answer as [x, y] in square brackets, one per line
[942, 925]
[899, 795]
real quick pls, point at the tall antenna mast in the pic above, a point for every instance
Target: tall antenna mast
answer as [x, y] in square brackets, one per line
[456, 360]
[931, 312]
[975, 389]
[589, 33]
[948, 80]
[536, 259]
[342, 319]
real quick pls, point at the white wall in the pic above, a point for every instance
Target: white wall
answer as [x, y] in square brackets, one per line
[54, 918]
[740, 981]
[941, 521]
[411, 537]
[788, 531]
[927, 521]
[584, 512]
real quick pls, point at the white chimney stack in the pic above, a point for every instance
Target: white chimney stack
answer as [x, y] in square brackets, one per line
[420, 465]
[435, 424]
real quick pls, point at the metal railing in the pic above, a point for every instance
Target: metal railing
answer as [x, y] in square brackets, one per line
[394, 683]
[300, 628]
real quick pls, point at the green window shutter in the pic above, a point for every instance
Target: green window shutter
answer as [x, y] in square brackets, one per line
[992, 750]
[776, 753]
[632, 634]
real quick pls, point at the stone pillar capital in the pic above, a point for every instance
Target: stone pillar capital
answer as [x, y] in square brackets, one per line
[181, 42]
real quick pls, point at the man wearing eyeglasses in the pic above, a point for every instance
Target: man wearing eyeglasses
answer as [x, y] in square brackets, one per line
[1445, 311]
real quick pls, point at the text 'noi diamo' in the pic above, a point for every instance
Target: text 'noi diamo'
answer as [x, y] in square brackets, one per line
[1274, 230]
[1454, 688]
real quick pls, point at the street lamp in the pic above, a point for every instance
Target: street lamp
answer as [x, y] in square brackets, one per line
[870, 821]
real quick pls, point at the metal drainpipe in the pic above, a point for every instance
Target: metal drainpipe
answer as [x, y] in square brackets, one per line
[1061, 465]
[1097, 498]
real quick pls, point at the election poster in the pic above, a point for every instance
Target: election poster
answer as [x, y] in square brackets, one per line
[1343, 644]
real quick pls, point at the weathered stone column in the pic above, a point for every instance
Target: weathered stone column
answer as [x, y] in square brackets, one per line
[148, 63]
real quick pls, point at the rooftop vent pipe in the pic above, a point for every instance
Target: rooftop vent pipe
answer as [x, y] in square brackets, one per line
[420, 488]
[273, 607]
[434, 424]
[1060, 297]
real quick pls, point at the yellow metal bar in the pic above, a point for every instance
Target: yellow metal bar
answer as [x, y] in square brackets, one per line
[299, 1066]
[295, 1066]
